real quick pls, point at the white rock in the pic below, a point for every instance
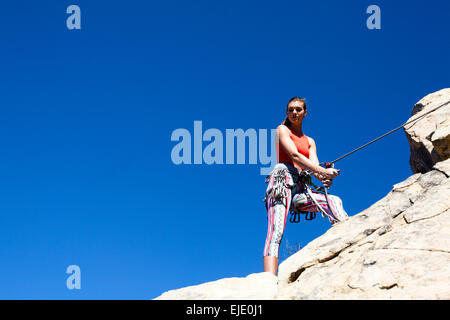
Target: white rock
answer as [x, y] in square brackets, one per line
[256, 286]
[429, 137]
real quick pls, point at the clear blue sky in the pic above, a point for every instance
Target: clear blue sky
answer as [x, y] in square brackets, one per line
[86, 176]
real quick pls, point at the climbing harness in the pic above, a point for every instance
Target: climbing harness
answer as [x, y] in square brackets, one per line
[303, 180]
[306, 183]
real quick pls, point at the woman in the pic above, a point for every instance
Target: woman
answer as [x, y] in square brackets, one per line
[297, 153]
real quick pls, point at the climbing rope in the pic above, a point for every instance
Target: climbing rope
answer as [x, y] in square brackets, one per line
[387, 133]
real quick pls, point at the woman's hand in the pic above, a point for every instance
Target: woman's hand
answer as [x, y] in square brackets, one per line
[328, 173]
[325, 181]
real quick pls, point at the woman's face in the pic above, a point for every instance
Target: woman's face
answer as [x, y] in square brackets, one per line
[296, 112]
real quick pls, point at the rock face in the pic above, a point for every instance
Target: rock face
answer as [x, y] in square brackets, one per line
[429, 138]
[399, 248]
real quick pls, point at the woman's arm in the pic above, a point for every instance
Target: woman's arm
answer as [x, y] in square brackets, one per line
[313, 157]
[313, 151]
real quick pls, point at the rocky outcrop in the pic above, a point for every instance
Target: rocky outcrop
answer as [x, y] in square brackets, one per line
[429, 138]
[257, 286]
[398, 248]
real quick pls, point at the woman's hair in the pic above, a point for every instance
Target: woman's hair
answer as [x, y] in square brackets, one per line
[286, 121]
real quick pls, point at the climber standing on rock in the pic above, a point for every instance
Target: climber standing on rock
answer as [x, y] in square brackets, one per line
[297, 153]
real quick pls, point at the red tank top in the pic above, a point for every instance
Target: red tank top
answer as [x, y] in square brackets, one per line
[302, 144]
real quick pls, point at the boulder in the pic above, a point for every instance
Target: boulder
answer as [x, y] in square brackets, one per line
[429, 137]
[256, 286]
[399, 248]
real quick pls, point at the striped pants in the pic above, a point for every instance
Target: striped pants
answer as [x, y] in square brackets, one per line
[281, 194]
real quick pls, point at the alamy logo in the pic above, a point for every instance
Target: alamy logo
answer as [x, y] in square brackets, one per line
[74, 280]
[74, 20]
[374, 20]
[214, 153]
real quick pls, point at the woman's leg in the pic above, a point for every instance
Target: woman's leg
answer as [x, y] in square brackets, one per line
[337, 207]
[277, 212]
[270, 264]
[335, 210]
